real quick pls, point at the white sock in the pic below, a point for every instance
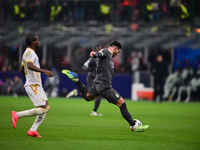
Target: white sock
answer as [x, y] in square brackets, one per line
[39, 119]
[31, 112]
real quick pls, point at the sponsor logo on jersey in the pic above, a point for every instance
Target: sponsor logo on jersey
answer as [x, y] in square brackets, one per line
[112, 64]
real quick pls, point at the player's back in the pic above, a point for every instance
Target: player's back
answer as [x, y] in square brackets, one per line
[32, 77]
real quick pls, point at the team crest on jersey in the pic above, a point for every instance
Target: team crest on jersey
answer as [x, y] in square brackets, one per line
[28, 54]
[116, 95]
[111, 64]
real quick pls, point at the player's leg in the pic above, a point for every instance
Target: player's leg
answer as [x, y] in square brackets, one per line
[90, 84]
[174, 89]
[114, 97]
[38, 97]
[74, 92]
[82, 88]
[127, 116]
[166, 92]
[39, 119]
[155, 92]
[161, 91]
[188, 94]
[180, 90]
[96, 106]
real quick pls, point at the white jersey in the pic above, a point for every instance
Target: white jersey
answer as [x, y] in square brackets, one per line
[32, 77]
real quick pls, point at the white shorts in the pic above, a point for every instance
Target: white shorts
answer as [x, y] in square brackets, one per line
[36, 94]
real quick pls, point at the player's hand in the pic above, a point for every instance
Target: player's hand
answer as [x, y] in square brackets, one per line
[92, 54]
[48, 73]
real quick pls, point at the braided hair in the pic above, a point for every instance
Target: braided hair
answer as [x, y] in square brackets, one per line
[30, 38]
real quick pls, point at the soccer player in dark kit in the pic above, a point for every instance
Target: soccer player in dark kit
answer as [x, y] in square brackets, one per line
[91, 66]
[103, 83]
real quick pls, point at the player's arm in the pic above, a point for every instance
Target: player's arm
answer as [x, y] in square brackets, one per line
[34, 68]
[86, 64]
[22, 71]
[99, 54]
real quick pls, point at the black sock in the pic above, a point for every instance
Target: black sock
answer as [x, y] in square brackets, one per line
[97, 103]
[126, 114]
[83, 89]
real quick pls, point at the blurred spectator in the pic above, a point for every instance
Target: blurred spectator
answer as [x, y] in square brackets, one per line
[55, 14]
[64, 11]
[165, 9]
[1, 87]
[134, 10]
[33, 10]
[135, 63]
[172, 82]
[91, 10]
[7, 90]
[159, 72]
[124, 10]
[4, 69]
[184, 12]
[46, 10]
[52, 83]
[19, 10]
[192, 87]
[105, 11]
[155, 13]
[149, 10]
[17, 87]
[7, 9]
[174, 5]
[77, 11]
[187, 74]
[9, 68]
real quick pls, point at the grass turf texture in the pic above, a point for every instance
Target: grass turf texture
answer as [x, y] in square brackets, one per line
[68, 125]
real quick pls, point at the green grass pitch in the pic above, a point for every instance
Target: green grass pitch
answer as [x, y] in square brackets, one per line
[69, 126]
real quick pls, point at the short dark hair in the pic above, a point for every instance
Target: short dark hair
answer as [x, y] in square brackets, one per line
[116, 43]
[30, 38]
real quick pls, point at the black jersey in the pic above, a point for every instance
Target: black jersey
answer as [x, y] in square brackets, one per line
[105, 67]
[91, 66]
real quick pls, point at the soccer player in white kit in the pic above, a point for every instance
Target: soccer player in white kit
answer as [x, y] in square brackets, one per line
[30, 68]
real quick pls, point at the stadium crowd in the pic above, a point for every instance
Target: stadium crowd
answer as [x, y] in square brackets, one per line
[103, 11]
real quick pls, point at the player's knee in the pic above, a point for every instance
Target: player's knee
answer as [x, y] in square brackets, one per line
[40, 110]
[89, 97]
[120, 102]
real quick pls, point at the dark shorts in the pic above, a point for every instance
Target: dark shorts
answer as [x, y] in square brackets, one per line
[90, 81]
[105, 91]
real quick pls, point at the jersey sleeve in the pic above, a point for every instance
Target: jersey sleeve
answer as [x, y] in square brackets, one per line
[29, 56]
[101, 53]
[86, 64]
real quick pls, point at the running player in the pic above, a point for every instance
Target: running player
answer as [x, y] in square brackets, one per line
[91, 66]
[103, 83]
[30, 68]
